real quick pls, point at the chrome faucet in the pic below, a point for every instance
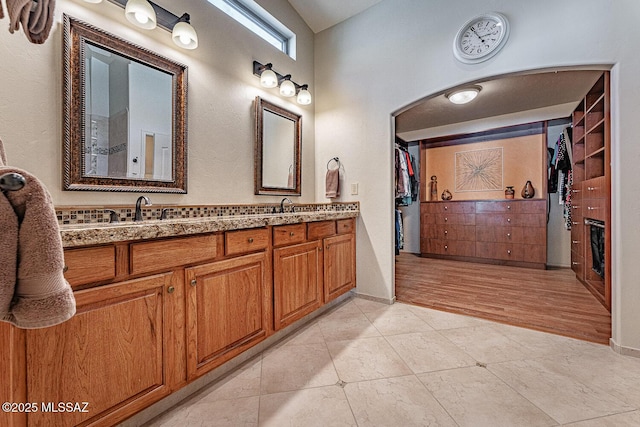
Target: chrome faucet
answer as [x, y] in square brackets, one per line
[147, 202]
[286, 199]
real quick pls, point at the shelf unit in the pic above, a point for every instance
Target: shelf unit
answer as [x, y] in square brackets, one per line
[591, 191]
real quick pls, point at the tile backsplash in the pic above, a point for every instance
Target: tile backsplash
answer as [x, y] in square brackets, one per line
[92, 214]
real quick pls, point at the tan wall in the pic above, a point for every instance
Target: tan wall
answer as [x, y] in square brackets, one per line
[523, 158]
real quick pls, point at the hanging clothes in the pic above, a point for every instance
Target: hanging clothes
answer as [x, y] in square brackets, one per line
[406, 177]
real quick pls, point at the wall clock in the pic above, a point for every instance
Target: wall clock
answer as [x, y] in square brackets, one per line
[481, 38]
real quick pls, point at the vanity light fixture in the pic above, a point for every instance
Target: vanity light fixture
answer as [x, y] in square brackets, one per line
[270, 79]
[464, 95]
[287, 88]
[184, 35]
[146, 14]
[141, 14]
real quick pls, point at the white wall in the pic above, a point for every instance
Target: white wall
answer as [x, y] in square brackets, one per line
[399, 51]
[221, 91]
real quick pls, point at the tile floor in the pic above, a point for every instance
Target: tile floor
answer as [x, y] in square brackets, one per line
[371, 364]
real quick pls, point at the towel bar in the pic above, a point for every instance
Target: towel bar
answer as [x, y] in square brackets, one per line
[12, 181]
[333, 159]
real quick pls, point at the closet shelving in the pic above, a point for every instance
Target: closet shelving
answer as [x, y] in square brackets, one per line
[591, 186]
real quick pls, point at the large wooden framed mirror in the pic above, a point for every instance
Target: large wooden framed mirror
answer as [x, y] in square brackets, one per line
[124, 115]
[277, 150]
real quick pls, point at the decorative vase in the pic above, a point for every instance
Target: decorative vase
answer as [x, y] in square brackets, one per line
[528, 191]
[509, 192]
[446, 195]
[433, 187]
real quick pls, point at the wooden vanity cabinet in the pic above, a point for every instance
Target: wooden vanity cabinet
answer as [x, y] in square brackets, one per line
[228, 309]
[154, 315]
[117, 354]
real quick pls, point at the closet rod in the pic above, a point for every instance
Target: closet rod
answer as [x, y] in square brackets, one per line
[599, 224]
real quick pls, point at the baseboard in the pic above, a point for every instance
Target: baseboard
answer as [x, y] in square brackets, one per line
[625, 351]
[376, 299]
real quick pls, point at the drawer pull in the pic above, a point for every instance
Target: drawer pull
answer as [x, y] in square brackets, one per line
[171, 289]
[446, 247]
[575, 242]
[509, 235]
[589, 208]
[291, 233]
[250, 239]
[508, 219]
[575, 263]
[446, 208]
[575, 222]
[592, 188]
[446, 232]
[508, 206]
[575, 207]
[65, 268]
[575, 191]
[446, 219]
[508, 252]
[193, 282]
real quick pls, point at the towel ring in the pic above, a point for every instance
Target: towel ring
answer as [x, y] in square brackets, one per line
[12, 182]
[334, 159]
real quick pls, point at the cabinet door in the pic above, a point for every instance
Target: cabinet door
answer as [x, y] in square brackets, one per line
[111, 354]
[297, 282]
[339, 265]
[227, 310]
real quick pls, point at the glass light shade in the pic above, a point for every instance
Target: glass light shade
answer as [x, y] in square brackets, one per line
[93, 1]
[463, 96]
[304, 97]
[184, 35]
[141, 14]
[268, 79]
[287, 88]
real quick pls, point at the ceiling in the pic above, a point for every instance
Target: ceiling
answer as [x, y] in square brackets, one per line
[322, 14]
[550, 95]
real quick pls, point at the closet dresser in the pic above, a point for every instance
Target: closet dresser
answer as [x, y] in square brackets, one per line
[507, 232]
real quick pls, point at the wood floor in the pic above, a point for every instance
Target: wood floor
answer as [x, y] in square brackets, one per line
[546, 300]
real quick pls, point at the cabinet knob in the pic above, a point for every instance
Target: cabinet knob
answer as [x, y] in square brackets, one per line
[575, 191]
[291, 233]
[575, 263]
[327, 247]
[592, 188]
[508, 206]
[575, 222]
[508, 252]
[575, 207]
[171, 289]
[591, 208]
[193, 282]
[65, 268]
[446, 247]
[446, 232]
[446, 208]
[446, 219]
[508, 219]
[575, 242]
[320, 249]
[250, 239]
[509, 235]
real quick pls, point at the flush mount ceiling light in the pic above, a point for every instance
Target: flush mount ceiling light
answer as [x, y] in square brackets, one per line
[141, 14]
[463, 95]
[184, 35]
[270, 78]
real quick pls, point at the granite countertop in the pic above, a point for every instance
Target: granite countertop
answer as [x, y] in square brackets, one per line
[95, 234]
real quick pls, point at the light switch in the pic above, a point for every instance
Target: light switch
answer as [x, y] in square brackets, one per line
[354, 188]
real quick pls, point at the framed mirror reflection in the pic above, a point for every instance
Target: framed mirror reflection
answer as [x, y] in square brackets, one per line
[124, 115]
[277, 150]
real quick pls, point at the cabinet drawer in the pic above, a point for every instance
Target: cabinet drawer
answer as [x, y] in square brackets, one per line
[501, 251]
[175, 252]
[454, 219]
[346, 225]
[454, 248]
[533, 207]
[90, 265]
[594, 208]
[513, 220]
[595, 188]
[243, 241]
[318, 230]
[451, 232]
[450, 207]
[498, 206]
[289, 234]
